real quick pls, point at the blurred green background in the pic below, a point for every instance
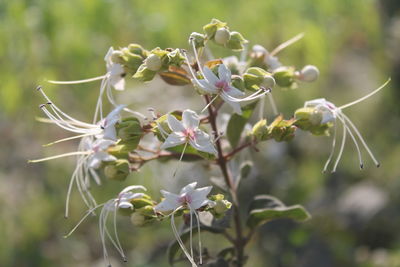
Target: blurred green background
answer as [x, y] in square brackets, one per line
[355, 44]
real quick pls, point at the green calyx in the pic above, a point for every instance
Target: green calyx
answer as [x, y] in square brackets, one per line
[280, 130]
[285, 77]
[309, 119]
[221, 205]
[117, 170]
[256, 77]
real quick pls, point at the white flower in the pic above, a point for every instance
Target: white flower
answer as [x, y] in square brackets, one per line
[331, 113]
[188, 131]
[123, 202]
[188, 198]
[105, 128]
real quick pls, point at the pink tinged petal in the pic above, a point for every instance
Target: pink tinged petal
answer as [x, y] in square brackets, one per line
[235, 105]
[171, 202]
[172, 140]
[224, 73]
[211, 78]
[190, 119]
[189, 188]
[234, 92]
[174, 124]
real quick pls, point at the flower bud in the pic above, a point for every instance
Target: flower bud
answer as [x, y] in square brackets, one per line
[268, 82]
[282, 130]
[117, 170]
[222, 36]
[137, 50]
[284, 76]
[138, 219]
[254, 78]
[198, 39]
[129, 131]
[144, 74]
[211, 28]
[309, 119]
[221, 205]
[309, 73]
[153, 62]
[236, 42]
[260, 130]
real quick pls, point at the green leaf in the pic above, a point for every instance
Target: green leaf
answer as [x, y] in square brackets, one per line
[266, 208]
[237, 123]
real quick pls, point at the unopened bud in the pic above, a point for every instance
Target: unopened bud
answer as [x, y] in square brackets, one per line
[116, 57]
[153, 62]
[260, 130]
[284, 76]
[198, 39]
[222, 36]
[268, 82]
[309, 73]
[117, 170]
[236, 42]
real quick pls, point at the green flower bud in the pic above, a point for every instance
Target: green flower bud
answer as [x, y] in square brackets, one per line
[256, 77]
[129, 131]
[238, 82]
[144, 74]
[175, 58]
[236, 42]
[132, 61]
[138, 219]
[309, 119]
[138, 50]
[221, 205]
[260, 130]
[309, 73]
[211, 28]
[282, 130]
[198, 39]
[284, 76]
[268, 82]
[117, 170]
[222, 36]
[153, 62]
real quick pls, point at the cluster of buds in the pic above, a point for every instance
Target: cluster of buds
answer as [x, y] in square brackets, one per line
[280, 130]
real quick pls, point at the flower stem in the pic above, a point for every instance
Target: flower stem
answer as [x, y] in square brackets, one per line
[239, 242]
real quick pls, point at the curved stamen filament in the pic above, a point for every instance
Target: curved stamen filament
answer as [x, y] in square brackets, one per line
[61, 156]
[332, 149]
[286, 44]
[78, 81]
[339, 156]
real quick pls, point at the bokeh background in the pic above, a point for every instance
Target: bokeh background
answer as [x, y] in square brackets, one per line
[355, 44]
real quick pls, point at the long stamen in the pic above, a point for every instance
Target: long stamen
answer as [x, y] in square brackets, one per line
[99, 104]
[272, 102]
[180, 159]
[365, 97]
[60, 156]
[339, 156]
[353, 138]
[196, 56]
[198, 230]
[361, 139]
[332, 149]
[119, 246]
[77, 81]
[83, 218]
[66, 139]
[209, 104]
[178, 238]
[286, 44]
[191, 232]
[243, 54]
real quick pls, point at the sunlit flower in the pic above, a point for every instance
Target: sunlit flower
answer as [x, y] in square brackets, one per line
[105, 128]
[123, 201]
[187, 131]
[188, 198]
[331, 113]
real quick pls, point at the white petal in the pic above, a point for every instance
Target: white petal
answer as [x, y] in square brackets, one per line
[133, 187]
[107, 57]
[199, 197]
[260, 49]
[104, 156]
[207, 87]
[102, 144]
[171, 202]
[174, 124]
[315, 102]
[203, 142]
[224, 73]
[189, 188]
[172, 140]
[110, 133]
[210, 76]
[125, 205]
[118, 83]
[114, 114]
[190, 119]
[94, 162]
[234, 92]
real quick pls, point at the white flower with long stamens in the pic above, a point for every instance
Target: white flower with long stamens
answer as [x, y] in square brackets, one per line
[331, 113]
[105, 128]
[91, 153]
[221, 85]
[123, 201]
[187, 131]
[188, 198]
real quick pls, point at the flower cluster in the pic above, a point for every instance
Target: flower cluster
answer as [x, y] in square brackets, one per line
[111, 145]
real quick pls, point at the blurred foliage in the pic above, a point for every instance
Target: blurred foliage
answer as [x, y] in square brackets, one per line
[353, 42]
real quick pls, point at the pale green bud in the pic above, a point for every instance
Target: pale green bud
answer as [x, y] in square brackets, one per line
[153, 62]
[309, 73]
[198, 39]
[268, 82]
[222, 36]
[236, 42]
[254, 77]
[260, 130]
[284, 76]
[144, 74]
[129, 131]
[222, 206]
[117, 170]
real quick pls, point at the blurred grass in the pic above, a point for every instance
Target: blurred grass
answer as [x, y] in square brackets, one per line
[67, 40]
